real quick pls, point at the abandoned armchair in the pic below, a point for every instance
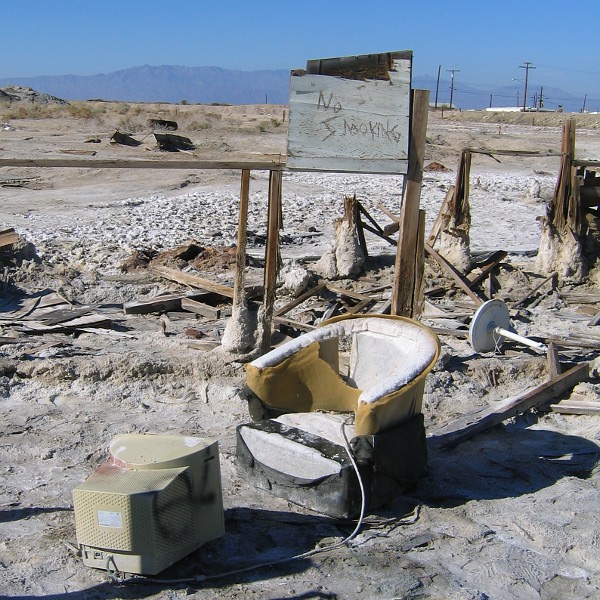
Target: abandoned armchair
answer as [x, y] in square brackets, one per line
[299, 452]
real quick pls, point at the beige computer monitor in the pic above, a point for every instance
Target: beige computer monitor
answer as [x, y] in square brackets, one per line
[157, 499]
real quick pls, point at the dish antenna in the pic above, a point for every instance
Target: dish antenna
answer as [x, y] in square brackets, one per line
[490, 326]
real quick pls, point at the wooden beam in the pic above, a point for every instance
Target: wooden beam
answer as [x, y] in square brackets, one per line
[265, 164]
[404, 272]
[481, 420]
[514, 152]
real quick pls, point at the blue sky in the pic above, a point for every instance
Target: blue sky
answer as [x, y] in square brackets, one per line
[485, 40]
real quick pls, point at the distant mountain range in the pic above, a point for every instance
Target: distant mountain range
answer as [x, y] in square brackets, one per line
[212, 84]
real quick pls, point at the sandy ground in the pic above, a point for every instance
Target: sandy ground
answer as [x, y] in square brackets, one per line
[512, 513]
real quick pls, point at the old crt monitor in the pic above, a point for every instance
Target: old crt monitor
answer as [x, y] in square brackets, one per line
[157, 499]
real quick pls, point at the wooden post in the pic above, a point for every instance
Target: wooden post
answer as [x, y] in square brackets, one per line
[240, 255]
[404, 275]
[271, 257]
[419, 296]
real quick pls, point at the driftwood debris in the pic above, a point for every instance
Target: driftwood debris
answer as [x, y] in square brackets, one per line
[481, 420]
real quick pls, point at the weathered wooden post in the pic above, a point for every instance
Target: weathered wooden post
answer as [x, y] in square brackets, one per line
[561, 247]
[239, 334]
[271, 258]
[454, 243]
[404, 275]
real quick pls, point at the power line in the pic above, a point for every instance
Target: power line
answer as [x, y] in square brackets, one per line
[452, 71]
[526, 66]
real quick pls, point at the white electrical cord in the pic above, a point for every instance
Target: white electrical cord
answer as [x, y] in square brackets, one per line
[200, 578]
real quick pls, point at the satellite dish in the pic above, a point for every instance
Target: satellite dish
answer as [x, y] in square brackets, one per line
[491, 325]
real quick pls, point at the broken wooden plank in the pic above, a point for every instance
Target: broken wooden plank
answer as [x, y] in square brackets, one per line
[300, 299]
[8, 237]
[486, 267]
[200, 282]
[163, 303]
[294, 324]
[458, 278]
[94, 320]
[466, 427]
[460, 333]
[205, 310]
[576, 407]
[553, 278]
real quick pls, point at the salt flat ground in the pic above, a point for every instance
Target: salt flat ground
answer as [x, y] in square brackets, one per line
[510, 514]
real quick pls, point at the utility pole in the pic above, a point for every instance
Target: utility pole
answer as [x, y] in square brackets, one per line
[526, 66]
[452, 71]
[437, 85]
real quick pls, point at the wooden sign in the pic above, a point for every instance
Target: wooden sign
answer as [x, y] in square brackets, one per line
[351, 114]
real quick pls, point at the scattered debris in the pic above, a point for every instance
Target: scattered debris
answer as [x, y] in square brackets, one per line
[162, 124]
[173, 143]
[124, 139]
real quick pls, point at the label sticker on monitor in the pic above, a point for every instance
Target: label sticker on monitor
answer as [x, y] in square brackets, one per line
[108, 518]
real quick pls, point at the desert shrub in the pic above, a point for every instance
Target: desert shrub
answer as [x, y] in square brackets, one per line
[275, 122]
[123, 109]
[30, 111]
[129, 125]
[83, 111]
[199, 125]
[213, 115]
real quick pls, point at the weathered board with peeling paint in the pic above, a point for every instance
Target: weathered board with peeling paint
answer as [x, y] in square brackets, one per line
[351, 114]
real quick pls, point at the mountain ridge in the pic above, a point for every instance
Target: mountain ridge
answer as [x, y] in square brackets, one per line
[211, 84]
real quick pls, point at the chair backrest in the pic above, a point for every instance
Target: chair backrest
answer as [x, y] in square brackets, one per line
[388, 353]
